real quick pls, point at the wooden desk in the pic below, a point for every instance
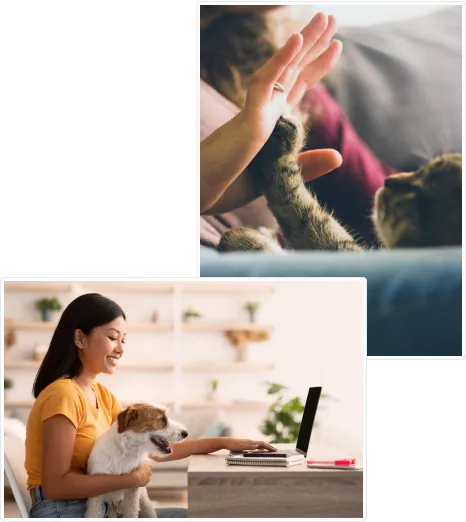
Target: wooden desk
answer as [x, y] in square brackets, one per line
[221, 491]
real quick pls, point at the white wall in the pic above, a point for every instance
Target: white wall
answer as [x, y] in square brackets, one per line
[295, 17]
[318, 338]
[372, 14]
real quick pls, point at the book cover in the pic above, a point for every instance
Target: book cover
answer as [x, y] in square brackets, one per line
[241, 460]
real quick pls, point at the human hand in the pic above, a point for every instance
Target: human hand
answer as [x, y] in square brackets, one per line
[142, 474]
[314, 163]
[298, 65]
[246, 444]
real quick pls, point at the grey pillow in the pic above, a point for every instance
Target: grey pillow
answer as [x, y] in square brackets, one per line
[400, 85]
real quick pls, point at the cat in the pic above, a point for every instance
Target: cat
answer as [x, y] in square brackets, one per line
[417, 209]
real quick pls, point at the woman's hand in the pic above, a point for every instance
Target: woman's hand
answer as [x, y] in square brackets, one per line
[314, 163]
[246, 444]
[226, 153]
[299, 64]
[142, 474]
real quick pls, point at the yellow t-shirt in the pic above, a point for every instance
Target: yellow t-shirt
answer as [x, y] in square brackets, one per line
[65, 397]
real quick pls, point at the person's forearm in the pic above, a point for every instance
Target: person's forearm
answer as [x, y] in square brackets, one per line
[80, 485]
[181, 450]
[224, 155]
[241, 192]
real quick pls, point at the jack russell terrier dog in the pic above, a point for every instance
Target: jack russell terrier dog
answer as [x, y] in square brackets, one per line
[138, 430]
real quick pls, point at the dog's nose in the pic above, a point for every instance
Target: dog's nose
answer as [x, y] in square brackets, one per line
[184, 434]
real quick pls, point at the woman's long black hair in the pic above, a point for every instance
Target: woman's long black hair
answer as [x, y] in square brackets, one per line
[84, 313]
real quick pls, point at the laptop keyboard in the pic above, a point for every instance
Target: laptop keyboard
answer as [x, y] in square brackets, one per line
[293, 452]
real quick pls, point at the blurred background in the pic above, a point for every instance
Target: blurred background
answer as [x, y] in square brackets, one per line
[210, 351]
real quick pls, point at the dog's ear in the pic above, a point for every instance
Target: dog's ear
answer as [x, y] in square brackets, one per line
[126, 418]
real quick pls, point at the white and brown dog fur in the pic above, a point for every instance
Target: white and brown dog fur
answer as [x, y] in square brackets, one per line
[140, 429]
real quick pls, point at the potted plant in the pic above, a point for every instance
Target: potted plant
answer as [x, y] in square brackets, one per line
[47, 307]
[212, 395]
[7, 385]
[190, 313]
[284, 416]
[252, 307]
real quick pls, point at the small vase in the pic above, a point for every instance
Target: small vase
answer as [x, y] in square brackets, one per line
[46, 315]
[252, 316]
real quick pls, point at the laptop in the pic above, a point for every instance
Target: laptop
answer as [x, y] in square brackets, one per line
[305, 430]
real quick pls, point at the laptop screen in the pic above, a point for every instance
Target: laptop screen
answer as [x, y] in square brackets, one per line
[307, 421]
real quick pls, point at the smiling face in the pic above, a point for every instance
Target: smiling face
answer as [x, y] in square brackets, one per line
[102, 348]
[422, 208]
[150, 428]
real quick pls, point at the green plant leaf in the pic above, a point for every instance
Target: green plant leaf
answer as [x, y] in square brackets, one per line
[274, 388]
[283, 418]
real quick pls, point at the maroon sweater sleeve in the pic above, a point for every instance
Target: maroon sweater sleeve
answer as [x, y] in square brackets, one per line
[349, 190]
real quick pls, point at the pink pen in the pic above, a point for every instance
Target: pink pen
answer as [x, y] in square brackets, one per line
[347, 461]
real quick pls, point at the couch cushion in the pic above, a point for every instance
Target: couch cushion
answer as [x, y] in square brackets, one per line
[400, 85]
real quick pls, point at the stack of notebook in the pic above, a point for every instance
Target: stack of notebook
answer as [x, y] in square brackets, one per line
[244, 460]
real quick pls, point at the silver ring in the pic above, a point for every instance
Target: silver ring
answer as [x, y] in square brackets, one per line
[278, 87]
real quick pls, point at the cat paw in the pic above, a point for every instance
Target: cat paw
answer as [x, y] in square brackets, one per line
[287, 139]
[247, 239]
[290, 134]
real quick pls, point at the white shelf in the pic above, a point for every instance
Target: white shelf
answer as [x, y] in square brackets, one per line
[159, 367]
[189, 367]
[36, 325]
[205, 326]
[146, 287]
[110, 286]
[29, 403]
[19, 404]
[50, 326]
[139, 287]
[227, 405]
[21, 365]
[226, 367]
[230, 405]
[25, 286]
[233, 288]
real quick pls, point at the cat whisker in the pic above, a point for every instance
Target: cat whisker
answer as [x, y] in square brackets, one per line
[445, 137]
[423, 156]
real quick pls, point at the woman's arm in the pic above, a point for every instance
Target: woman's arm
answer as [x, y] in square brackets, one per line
[314, 163]
[224, 155]
[187, 448]
[58, 480]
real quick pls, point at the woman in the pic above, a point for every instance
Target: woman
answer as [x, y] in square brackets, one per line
[72, 409]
